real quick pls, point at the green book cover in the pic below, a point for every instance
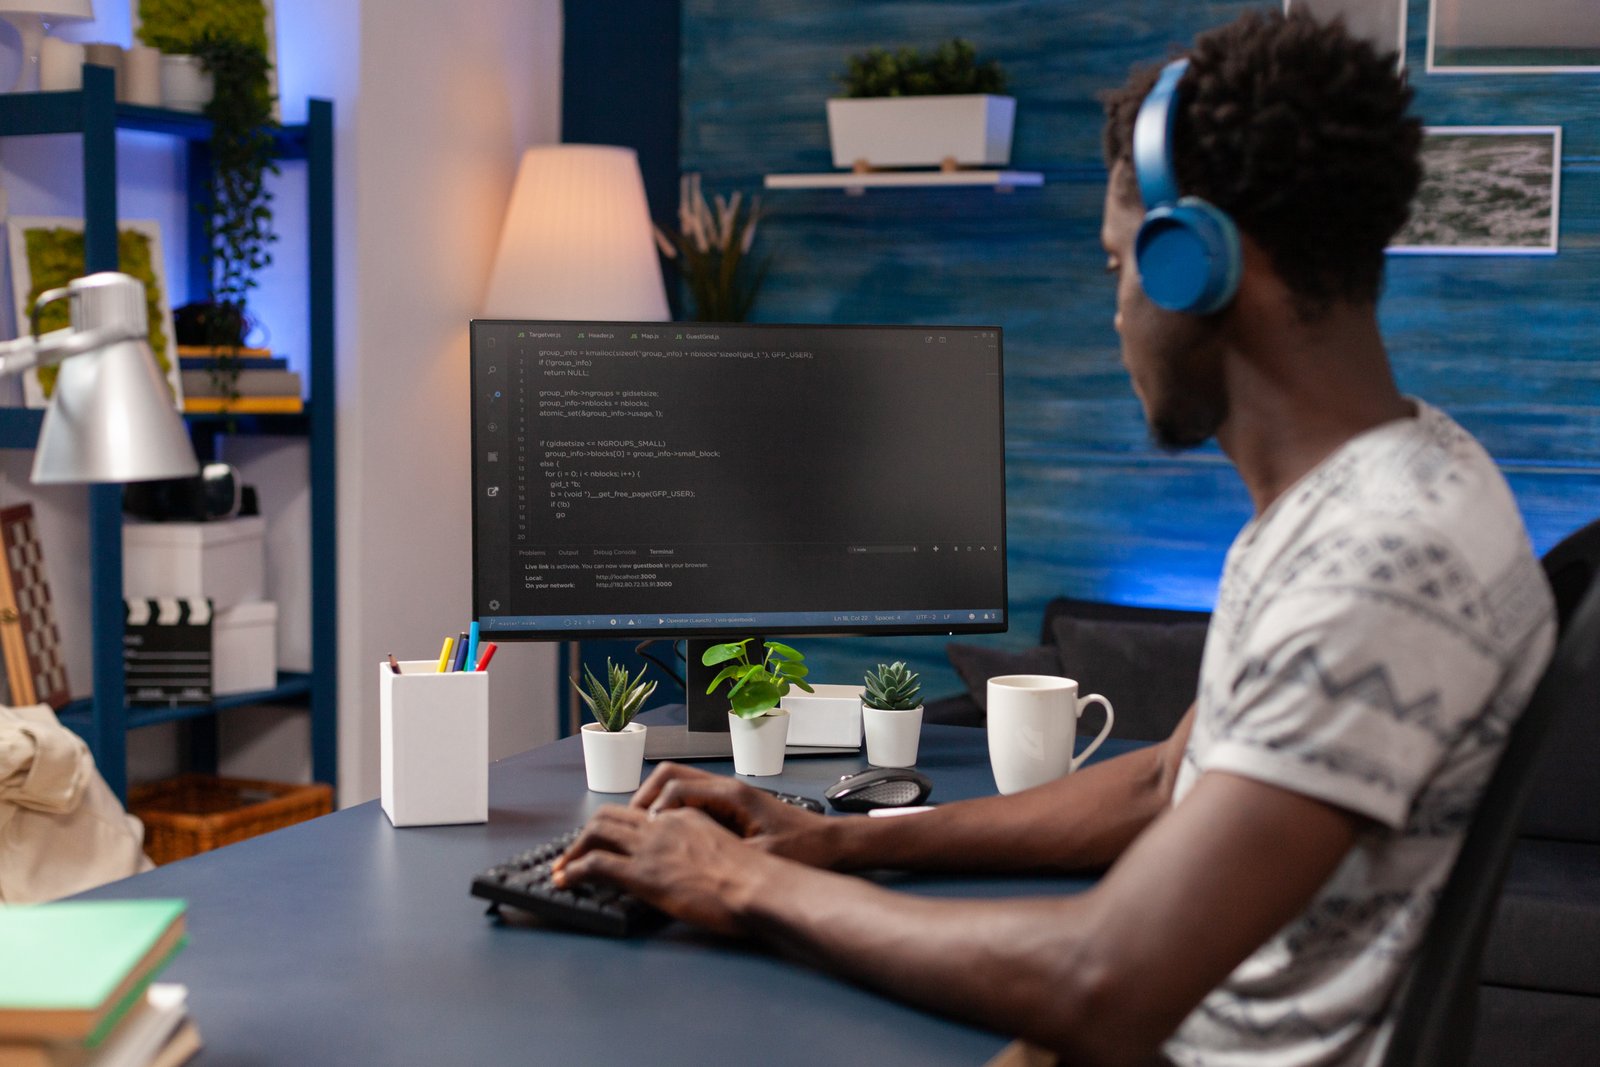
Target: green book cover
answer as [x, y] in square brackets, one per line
[73, 956]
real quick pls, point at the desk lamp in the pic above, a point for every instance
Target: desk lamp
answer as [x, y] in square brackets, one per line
[32, 18]
[111, 417]
[577, 242]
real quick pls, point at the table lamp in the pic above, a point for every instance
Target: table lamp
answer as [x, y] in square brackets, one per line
[577, 241]
[32, 18]
[111, 416]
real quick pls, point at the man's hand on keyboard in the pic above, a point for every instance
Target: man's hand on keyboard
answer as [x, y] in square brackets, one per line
[679, 860]
[754, 814]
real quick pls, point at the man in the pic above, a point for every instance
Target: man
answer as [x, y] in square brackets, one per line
[1380, 624]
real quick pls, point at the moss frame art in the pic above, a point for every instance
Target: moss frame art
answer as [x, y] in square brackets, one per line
[179, 26]
[47, 252]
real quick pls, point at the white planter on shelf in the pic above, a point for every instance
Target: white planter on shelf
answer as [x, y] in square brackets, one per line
[971, 130]
[613, 762]
[758, 743]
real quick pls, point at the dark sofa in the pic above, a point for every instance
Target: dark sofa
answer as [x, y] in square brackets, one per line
[1539, 1001]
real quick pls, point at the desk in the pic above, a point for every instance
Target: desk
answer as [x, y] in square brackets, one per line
[343, 940]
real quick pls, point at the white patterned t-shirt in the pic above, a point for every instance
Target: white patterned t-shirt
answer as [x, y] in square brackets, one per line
[1378, 630]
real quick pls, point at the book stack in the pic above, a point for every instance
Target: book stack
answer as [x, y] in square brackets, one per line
[265, 385]
[76, 989]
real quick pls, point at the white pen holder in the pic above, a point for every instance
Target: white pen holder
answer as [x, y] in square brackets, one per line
[434, 739]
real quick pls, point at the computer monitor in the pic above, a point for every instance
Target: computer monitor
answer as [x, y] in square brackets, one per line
[715, 482]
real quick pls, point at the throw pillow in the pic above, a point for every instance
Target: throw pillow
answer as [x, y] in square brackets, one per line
[1150, 671]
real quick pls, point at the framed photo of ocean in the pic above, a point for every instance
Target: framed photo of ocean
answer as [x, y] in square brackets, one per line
[1486, 191]
[47, 252]
[1525, 37]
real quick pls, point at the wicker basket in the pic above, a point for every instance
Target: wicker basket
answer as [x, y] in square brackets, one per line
[198, 812]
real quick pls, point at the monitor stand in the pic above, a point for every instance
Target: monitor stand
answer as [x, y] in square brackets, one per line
[706, 737]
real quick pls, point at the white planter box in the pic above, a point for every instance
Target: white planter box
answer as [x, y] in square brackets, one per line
[921, 131]
[244, 648]
[830, 717]
[220, 560]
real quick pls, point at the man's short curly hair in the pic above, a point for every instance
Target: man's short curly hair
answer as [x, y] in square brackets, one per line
[1301, 133]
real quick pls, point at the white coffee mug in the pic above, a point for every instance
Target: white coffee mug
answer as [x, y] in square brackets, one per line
[1033, 723]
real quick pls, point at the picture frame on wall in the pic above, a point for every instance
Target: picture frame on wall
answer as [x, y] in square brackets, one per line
[1383, 22]
[174, 25]
[47, 252]
[1526, 37]
[1486, 190]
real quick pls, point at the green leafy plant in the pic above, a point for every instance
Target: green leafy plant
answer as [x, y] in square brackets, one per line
[240, 223]
[950, 69]
[712, 248]
[757, 686]
[892, 688]
[618, 700]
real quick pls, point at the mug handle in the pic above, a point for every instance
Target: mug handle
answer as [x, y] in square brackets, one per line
[1084, 702]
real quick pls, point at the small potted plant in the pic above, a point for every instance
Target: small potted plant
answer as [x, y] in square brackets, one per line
[910, 109]
[712, 248]
[758, 725]
[891, 715]
[613, 745]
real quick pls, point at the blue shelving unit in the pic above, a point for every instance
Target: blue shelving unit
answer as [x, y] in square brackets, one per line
[94, 115]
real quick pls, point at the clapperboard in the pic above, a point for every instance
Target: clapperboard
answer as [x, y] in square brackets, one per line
[166, 650]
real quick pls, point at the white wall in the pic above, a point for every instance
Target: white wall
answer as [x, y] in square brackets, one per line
[431, 116]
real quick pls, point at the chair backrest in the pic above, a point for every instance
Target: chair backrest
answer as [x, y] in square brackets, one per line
[1434, 1026]
[1565, 805]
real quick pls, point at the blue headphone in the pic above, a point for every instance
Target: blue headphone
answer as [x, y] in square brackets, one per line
[1187, 250]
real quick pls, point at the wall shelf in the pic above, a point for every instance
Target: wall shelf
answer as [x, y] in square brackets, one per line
[93, 115]
[1002, 181]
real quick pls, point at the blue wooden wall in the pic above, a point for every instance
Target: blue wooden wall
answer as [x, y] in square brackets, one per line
[1507, 345]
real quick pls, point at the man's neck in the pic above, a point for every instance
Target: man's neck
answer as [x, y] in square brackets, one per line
[1298, 391]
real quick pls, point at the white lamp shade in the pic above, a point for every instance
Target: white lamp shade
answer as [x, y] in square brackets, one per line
[51, 10]
[577, 241]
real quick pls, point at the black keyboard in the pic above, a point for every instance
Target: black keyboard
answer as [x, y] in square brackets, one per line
[523, 882]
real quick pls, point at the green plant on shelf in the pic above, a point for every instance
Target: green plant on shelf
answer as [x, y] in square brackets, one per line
[892, 687]
[615, 702]
[950, 69]
[758, 685]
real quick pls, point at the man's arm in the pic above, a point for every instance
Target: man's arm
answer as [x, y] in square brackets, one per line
[1084, 820]
[1102, 977]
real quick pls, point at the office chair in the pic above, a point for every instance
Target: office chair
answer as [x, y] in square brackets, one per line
[1570, 566]
[1439, 1002]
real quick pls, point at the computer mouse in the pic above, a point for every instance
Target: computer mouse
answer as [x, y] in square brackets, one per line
[879, 787]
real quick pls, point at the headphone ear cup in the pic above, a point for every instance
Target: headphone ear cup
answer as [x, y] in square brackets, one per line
[1188, 256]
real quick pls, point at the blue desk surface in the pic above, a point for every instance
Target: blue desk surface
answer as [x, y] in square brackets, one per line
[345, 940]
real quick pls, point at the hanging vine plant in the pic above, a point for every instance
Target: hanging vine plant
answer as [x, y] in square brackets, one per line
[240, 221]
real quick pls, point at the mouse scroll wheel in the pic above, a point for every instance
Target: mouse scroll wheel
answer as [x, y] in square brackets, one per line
[891, 793]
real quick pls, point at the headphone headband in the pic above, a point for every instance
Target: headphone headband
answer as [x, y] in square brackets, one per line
[1152, 136]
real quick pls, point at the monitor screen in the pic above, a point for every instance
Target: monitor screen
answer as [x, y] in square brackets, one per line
[637, 480]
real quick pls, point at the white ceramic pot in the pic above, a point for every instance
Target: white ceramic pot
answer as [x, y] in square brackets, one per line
[613, 762]
[186, 85]
[892, 736]
[758, 742]
[972, 130]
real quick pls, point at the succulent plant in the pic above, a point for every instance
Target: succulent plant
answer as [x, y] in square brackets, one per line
[614, 705]
[892, 688]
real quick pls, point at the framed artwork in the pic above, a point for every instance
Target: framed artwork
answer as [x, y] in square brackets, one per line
[174, 25]
[47, 252]
[32, 646]
[1383, 22]
[1526, 37]
[1486, 190]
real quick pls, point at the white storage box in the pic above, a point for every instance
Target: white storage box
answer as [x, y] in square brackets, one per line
[830, 717]
[221, 560]
[971, 130]
[244, 648]
[433, 741]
